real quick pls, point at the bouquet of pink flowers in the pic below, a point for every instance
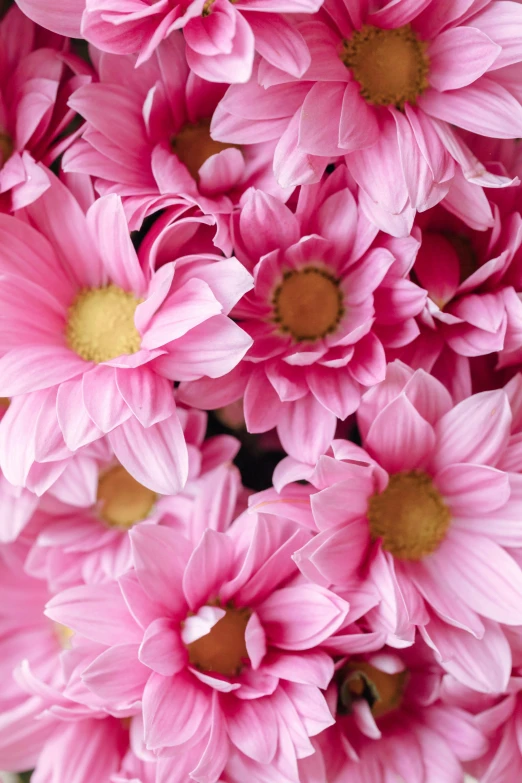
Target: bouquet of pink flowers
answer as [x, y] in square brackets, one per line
[261, 391]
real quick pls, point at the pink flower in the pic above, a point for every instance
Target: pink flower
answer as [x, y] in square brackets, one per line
[329, 295]
[147, 137]
[215, 638]
[221, 38]
[40, 725]
[394, 721]
[387, 82]
[91, 342]
[427, 516]
[473, 279]
[38, 73]
[500, 719]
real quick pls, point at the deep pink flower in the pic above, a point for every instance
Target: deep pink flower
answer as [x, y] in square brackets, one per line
[394, 721]
[147, 137]
[426, 515]
[215, 638]
[38, 74]
[473, 279]
[91, 341]
[222, 38]
[387, 82]
[329, 295]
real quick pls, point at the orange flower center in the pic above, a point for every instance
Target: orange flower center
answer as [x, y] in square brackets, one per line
[410, 516]
[391, 66]
[4, 403]
[383, 692]
[194, 145]
[123, 501]
[222, 650]
[100, 324]
[308, 304]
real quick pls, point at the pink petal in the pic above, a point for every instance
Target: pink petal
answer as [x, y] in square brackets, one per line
[156, 456]
[486, 578]
[97, 612]
[400, 437]
[459, 56]
[209, 566]
[476, 430]
[160, 556]
[252, 728]
[485, 108]
[117, 676]
[473, 489]
[174, 709]
[323, 614]
[161, 649]
[29, 369]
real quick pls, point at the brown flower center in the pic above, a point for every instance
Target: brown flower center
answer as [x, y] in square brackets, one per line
[6, 148]
[4, 403]
[123, 501]
[468, 259]
[100, 324]
[223, 650]
[410, 516]
[193, 145]
[391, 66]
[383, 692]
[308, 304]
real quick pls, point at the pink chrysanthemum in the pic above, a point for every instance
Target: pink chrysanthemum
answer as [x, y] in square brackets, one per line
[41, 725]
[215, 639]
[38, 74]
[473, 280]
[147, 137]
[387, 82]
[329, 295]
[221, 37]
[427, 515]
[500, 719]
[394, 721]
[91, 341]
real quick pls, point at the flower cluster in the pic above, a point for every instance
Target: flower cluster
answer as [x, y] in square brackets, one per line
[261, 391]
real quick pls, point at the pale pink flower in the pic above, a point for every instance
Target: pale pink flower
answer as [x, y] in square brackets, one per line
[147, 137]
[38, 74]
[221, 37]
[42, 724]
[91, 341]
[387, 83]
[80, 531]
[427, 515]
[500, 719]
[329, 296]
[394, 722]
[215, 638]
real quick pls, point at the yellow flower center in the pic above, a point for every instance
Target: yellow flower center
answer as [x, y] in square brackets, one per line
[123, 501]
[410, 516]
[223, 650]
[308, 304]
[193, 145]
[391, 66]
[64, 634]
[383, 692]
[100, 324]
